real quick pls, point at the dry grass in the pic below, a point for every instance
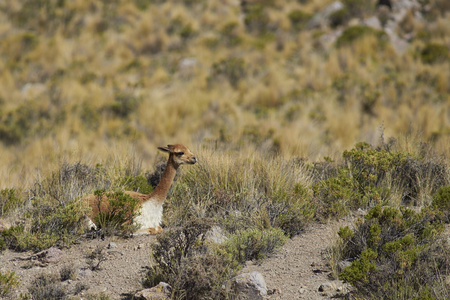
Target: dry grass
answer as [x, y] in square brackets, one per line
[92, 79]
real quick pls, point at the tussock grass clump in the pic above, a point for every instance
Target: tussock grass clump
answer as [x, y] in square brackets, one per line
[47, 286]
[68, 272]
[396, 254]
[243, 191]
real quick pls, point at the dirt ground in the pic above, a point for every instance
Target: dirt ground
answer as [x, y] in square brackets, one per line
[295, 271]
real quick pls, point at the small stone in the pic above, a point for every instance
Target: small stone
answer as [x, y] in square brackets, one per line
[249, 286]
[112, 245]
[301, 290]
[160, 292]
[327, 287]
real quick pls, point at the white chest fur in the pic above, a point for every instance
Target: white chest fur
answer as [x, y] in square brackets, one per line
[151, 215]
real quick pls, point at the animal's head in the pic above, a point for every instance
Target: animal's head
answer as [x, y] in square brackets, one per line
[180, 154]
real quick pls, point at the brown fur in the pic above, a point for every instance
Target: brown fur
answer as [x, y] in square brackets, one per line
[178, 155]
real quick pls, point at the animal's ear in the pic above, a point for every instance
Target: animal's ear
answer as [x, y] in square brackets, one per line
[164, 149]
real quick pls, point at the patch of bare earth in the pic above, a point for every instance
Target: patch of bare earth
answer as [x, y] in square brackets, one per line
[119, 275]
[298, 270]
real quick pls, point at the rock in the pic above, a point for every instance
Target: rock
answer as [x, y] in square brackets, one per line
[249, 286]
[33, 90]
[373, 22]
[84, 272]
[4, 225]
[50, 256]
[400, 46]
[112, 245]
[344, 263]
[215, 235]
[327, 287]
[321, 19]
[187, 66]
[331, 288]
[160, 292]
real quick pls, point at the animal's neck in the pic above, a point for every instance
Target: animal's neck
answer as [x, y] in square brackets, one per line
[163, 186]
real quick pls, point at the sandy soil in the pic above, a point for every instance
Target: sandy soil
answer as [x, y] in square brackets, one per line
[296, 271]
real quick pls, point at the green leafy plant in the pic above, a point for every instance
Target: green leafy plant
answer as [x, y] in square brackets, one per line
[441, 202]
[137, 183]
[120, 213]
[8, 281]
[434, 53]
[354, 33]
[233, 69]
[395, 254]
[9, 200]
[298, 18]
[255, 244]
[50, 224]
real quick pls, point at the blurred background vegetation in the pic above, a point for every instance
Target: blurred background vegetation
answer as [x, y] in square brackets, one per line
[92, 80]
[297, 110]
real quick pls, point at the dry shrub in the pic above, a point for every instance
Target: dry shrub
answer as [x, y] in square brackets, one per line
[183, 260]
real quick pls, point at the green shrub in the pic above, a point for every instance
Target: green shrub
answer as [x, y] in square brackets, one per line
[359, 9]
[335, 196]
[441, 202]
[369, 167]
[434, 53]
[255, 244]
[359, 269]
[9, 201]
[354, 33]
[230, 35]
[7, 282]
[395, 254]
[233, 69]
[256, 19]
[122, 209]
[339, 17]
[137, 183]
[298, 18]
[51, 224]
[125, 103]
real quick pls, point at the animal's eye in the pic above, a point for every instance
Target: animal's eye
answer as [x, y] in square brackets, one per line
[179, 153]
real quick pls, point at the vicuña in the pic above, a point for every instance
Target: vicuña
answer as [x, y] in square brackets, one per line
[150, 205]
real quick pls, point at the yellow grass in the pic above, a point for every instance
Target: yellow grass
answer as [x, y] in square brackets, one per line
[297, 100]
